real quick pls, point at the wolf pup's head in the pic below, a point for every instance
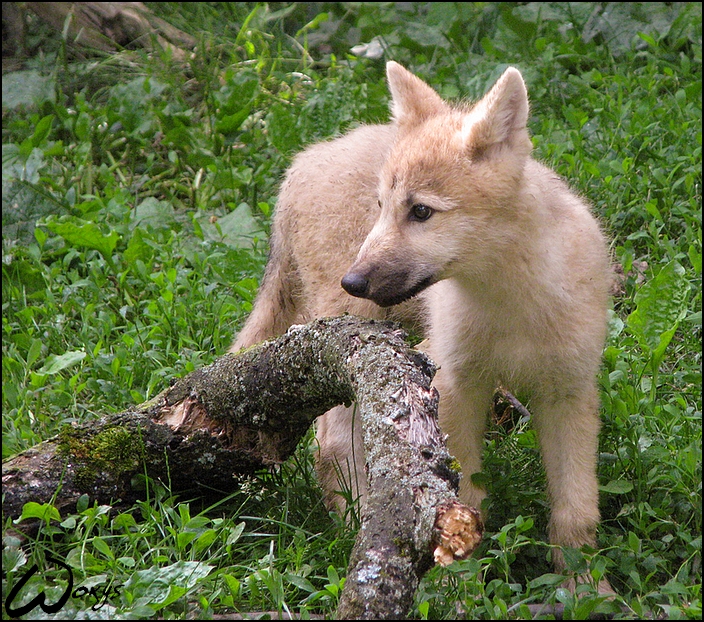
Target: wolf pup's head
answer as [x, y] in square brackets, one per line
[447, 189]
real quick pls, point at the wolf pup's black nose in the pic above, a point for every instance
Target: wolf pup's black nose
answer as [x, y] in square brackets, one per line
[355, 284]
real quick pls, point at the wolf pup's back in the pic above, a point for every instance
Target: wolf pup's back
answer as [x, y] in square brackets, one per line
[326, 206]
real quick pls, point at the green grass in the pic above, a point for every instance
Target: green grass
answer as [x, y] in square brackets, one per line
[137, 196]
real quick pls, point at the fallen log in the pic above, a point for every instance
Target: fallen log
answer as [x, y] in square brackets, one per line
[250, 410]
[111, 26]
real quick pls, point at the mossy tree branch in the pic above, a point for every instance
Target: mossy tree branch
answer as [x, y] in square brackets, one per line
[250, 410]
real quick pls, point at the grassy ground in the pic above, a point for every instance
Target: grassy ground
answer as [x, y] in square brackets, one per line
[137, 194]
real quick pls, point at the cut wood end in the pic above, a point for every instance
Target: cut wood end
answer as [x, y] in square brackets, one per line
[458, 532]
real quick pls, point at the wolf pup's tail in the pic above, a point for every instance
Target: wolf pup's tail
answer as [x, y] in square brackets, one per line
[275, 307]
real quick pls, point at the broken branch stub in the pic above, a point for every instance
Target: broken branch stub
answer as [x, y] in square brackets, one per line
[412, 485]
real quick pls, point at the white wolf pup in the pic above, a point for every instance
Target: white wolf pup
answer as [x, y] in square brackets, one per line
[508, 273]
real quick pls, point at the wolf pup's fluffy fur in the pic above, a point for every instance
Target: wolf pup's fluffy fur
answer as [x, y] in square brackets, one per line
[442, 216]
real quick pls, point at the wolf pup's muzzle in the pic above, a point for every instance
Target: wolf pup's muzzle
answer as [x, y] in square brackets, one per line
[388, 292]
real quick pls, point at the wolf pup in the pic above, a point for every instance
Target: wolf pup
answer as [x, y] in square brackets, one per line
[443, 217]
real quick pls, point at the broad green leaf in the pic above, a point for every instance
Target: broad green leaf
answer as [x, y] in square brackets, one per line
[103, 547]
[184, 538]
[235, 533]
[634, 542]
[55, 364]
[617, 487]
[42, 129]
[159, 578]
[333, 577]
[124, 521]
[574, 560]
[665, 339]
[660, 305]
[205, 540]
[153, 212]
[227, 124]
[137, 249]
[173, 593]
[233, 585]
[42, 511]
[13, 558]
[236, 229]
[27, 88]
[34, 351]
[300, 582]
[82, 233]
[69, 523]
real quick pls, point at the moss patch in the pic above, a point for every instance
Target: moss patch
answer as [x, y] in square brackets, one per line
[114, 450]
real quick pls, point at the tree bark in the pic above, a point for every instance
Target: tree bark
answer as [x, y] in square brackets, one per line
[250, 410]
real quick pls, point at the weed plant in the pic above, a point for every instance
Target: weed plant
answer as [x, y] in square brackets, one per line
[137, 196]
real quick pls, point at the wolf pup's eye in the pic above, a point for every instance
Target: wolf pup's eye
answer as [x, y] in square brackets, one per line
[421, 212]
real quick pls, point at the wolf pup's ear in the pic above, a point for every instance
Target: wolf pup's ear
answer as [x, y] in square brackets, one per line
[499, 117]
[412, 100]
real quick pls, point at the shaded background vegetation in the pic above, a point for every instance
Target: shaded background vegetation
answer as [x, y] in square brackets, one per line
[137, 194]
